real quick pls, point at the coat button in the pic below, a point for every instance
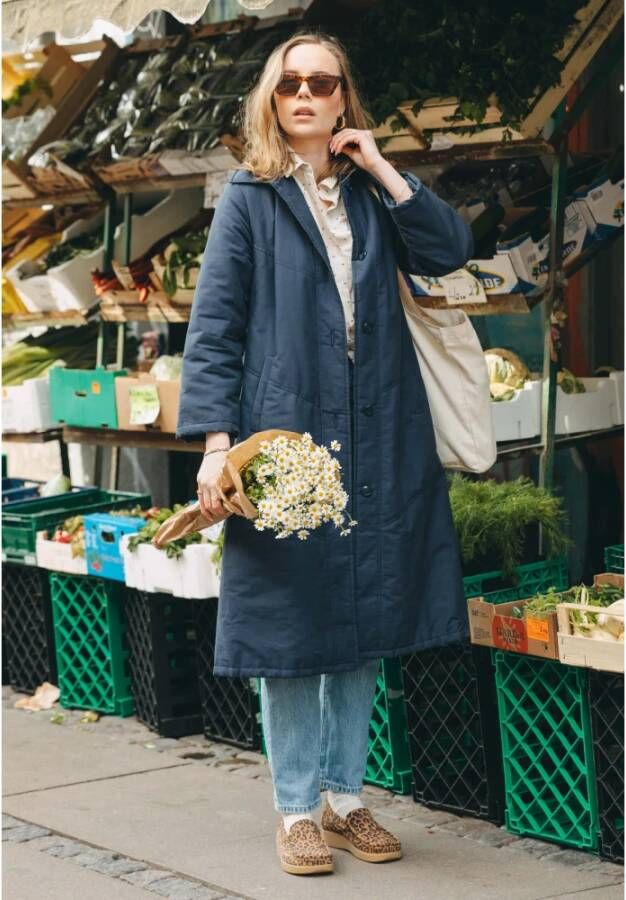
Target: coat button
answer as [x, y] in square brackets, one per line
[368, 327]
[367, 410]
[366, 490]
[362, 254]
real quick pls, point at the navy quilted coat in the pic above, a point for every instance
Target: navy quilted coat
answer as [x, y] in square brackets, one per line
[266, 348]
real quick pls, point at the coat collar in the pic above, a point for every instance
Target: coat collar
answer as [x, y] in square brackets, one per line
[289, 191]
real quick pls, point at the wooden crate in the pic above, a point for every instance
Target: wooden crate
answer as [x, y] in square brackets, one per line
[575, 650]
[594, 23]
[62, 178]
[60, 72]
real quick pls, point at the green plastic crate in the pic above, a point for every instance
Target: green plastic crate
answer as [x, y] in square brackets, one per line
[547, 750]
[89, 630]
[84, 398]
[531, 579]
[22, 521]
[388, 758]
[614, 558]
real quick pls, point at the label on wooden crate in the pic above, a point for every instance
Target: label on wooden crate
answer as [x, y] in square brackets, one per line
[538, 629]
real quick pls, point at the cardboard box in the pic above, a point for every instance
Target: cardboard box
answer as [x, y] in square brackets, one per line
[594, 410]
[520, 417]
[531, 259]
[496, 276]
[493, 625]
[604, 206]
[164, 405]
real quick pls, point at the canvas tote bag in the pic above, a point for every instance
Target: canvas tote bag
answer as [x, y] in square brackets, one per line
[456, 381]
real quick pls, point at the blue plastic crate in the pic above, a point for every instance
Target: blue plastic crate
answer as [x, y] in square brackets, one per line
[103, 532]
[14, 489]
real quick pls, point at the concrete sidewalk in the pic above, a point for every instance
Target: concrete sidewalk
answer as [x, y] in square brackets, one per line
[110, 811]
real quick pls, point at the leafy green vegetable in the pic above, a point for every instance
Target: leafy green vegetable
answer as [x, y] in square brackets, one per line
[175, 548]
[491, 516]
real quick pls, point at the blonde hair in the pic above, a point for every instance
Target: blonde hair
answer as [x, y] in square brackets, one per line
[266, 153]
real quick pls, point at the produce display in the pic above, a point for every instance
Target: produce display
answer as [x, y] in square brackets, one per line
[181, 261]
[62, 253]
[183, 96]
[174, 549]
[492, 520]
[74, 348]
[507, 373]
[72, 530]
[568, 382]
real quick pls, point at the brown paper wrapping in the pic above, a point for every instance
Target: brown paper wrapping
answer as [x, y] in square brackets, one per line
[230, 487]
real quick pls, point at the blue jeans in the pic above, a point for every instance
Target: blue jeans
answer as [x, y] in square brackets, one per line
[316, 734]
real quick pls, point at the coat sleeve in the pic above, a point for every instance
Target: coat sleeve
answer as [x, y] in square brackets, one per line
[430, 238]
[214, 346]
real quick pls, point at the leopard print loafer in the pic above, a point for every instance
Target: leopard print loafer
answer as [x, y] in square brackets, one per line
[302, 850]
[360, 833]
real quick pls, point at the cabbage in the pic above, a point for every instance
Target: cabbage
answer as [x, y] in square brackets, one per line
[167, 368]
[60, 484]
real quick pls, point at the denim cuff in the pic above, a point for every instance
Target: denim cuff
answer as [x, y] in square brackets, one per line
[337, 788]
[286, 810]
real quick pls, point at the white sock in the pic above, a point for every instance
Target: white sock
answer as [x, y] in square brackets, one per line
[292, 818]
[342, 804]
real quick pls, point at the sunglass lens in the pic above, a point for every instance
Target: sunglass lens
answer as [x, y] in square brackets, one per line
[321, 86]
[288, 86]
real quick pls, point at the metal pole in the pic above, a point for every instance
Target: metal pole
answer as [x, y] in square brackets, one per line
[121, 329]
[552, 304]
[107, 240]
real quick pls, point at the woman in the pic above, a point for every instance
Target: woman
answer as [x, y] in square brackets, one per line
[297, 324]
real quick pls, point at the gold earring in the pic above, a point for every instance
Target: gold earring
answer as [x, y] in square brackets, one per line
[339, 124]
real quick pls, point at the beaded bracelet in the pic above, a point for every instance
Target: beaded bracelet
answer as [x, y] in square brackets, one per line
[216, 450]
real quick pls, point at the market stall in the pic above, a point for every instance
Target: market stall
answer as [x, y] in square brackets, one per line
[108, 197]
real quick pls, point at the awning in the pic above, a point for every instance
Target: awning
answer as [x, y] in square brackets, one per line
[24, 20]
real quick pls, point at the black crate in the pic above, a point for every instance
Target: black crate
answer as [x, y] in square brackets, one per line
[27, 627]
[230, 706]
[161, 639]
[606, 701]
[453, 730]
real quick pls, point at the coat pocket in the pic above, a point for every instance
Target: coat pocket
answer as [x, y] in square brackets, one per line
[259, 396]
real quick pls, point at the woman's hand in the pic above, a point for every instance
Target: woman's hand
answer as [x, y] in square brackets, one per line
[208, 494]
[360, 146]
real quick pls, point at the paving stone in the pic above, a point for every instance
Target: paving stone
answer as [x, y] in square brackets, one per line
[495, 838]
[165, 744]
[183, 889]
[66, 849]
[120, 867]
[568, 857]
[605, 868]
[146, 877]
[422, 815]
[251, 756]
[468, 827]
[9, 821]
[45, 843]
[250, 771]
[22, 833]
[91, 857]
[532, 846]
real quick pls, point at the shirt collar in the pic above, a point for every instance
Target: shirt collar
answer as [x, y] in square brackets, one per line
[328, 184]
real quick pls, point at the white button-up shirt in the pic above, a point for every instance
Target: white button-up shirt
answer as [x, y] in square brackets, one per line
[334, 227]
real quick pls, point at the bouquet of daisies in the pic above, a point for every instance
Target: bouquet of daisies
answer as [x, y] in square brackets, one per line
[281, 480]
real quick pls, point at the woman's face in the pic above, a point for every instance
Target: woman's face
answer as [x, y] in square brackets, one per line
[307, 59]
